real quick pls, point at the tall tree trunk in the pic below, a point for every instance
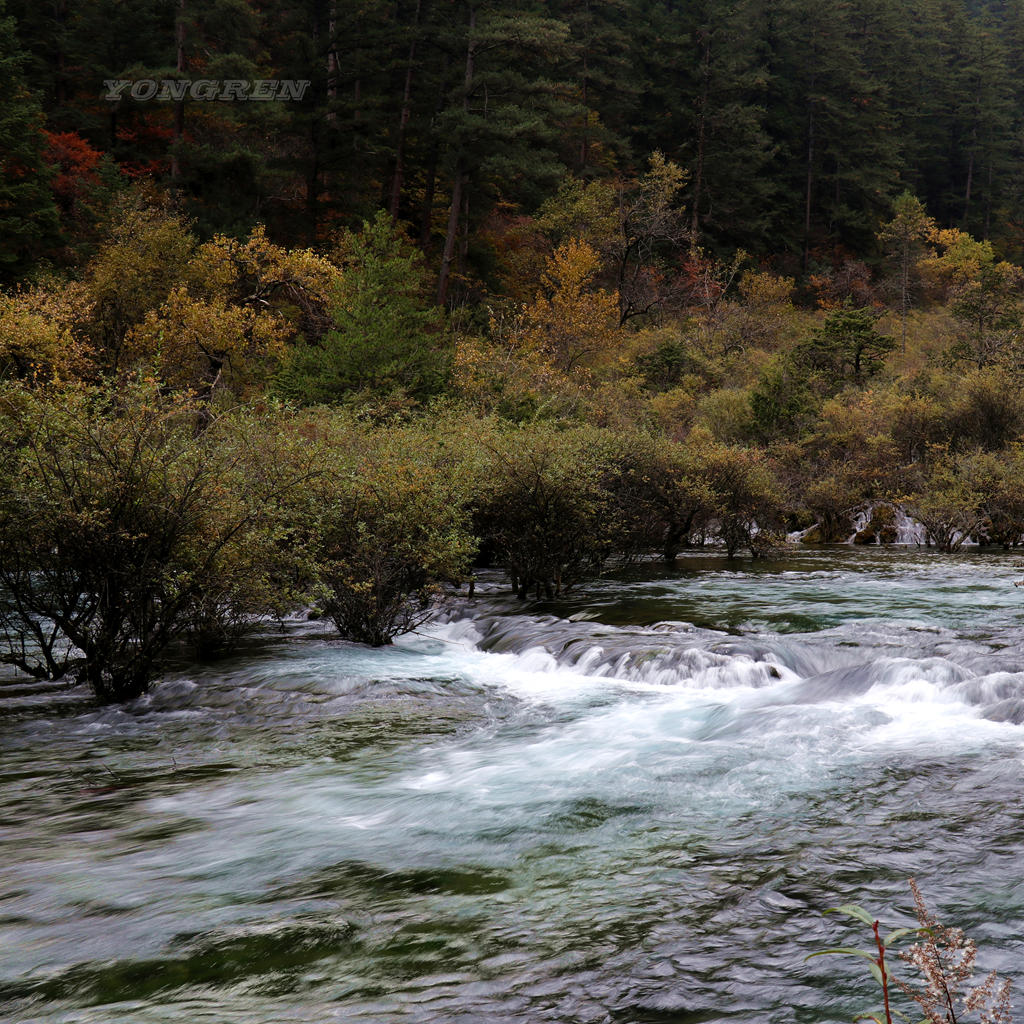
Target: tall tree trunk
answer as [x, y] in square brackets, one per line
[313, 186]
[464, 243]
[430, 175]
[585, 140]
[698, 173]
[451, 234]
[427, 206]
[905, 293]
[179, 105]
[60, 57]
[988, 201]
[809, 189]
[461, 174]
[403, 120]
[332, 60]
[970, 179]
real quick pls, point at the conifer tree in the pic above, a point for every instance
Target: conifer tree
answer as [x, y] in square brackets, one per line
[29, 222]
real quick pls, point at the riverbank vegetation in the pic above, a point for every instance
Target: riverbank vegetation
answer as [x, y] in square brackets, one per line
[516, 320]
[942, 960]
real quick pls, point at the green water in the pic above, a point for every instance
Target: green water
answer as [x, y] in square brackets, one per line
[630, 806]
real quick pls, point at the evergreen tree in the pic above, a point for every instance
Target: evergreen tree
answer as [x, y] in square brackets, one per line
[386, 337]
[605, 80]
[837, 152]
[29, 223]
[903, 239]
[501, 122]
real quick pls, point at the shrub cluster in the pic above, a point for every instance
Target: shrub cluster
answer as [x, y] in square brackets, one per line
[133, 520]
[196, 434]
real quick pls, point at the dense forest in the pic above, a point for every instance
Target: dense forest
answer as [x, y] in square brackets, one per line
[795, 126]
[531, 285]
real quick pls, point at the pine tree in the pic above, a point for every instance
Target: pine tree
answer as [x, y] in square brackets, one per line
[386, 336]
[903, 239]
[606, 81]
[837, 146]
[501, 122]
[29, 223]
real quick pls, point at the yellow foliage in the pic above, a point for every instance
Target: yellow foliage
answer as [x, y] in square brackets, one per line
[673, 411]
[292, 284]
[517, 383]
[960, 261]
[201, 343]
[574, 325]
[766, 291]
[146, 254]
[39, 332]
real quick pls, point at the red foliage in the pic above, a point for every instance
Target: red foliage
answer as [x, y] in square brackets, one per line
[76, 161]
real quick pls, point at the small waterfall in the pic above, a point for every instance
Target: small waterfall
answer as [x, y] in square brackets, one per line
[889, 523]
[909, 531]
[797, 536]
[860, 522]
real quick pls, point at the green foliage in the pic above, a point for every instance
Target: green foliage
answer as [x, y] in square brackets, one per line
[903, 239]
[384, 525]
[846, 349]
[669, 363]
[124, 528]
[783, 403]
[28, 215]
[1000, 481]
[543, 508]
[385, 338]
[795, 132]
[985, 410]
[949, 505]
[748, 503]
[661, 496]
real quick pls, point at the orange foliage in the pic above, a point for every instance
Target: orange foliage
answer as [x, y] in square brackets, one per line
[76, 161]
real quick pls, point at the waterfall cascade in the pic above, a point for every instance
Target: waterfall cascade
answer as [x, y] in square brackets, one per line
[885, 523]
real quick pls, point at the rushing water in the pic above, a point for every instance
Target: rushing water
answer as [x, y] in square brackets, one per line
[630, 807]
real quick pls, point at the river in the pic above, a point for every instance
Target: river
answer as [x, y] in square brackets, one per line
[632, 806]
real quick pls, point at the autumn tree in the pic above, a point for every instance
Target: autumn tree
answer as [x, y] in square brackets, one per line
[984, 294]
[41, 333]
[145, 254]
[572, 323]
[543, 507]
[638, 227]
[661, 495]
[949, 505]
[747, 502]
[241, 306]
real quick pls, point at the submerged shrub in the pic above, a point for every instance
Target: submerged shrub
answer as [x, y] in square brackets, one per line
[660, 496]
[386, 524]
[747, 501]
[950, 504]
[125, 527]
[543, 506]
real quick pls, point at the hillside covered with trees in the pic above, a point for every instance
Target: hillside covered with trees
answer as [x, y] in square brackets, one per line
[530, 285]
